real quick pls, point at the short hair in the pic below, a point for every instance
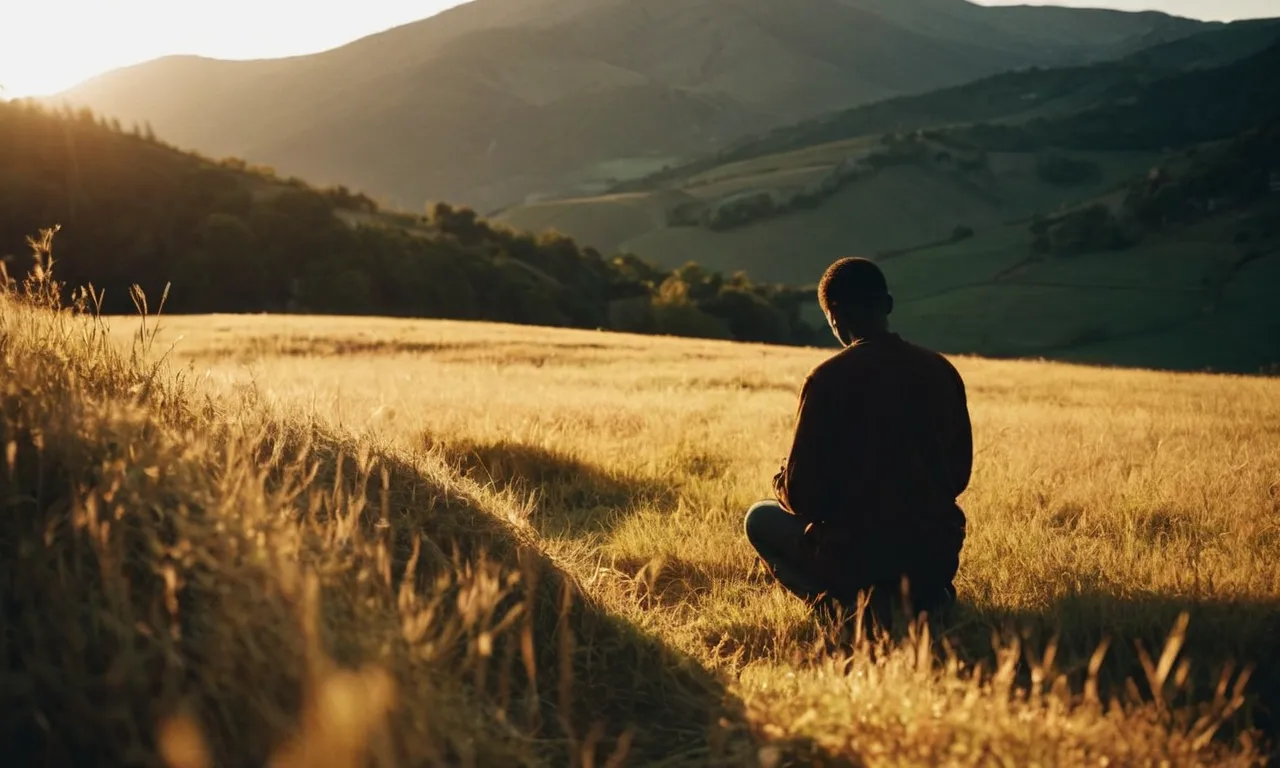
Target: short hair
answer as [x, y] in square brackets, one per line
[853, 284]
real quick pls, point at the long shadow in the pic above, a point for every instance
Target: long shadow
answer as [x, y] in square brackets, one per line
[590, 677]
[622, 682]
[1221, 635]
[574, 497]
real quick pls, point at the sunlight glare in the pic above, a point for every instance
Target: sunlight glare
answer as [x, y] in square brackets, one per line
[52, 45]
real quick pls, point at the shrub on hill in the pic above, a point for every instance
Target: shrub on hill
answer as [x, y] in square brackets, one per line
[1230, 177]
[741, 208]
[1086, 230]
[234, 238]
[1236, 177]
[676, 313]
[694, 302]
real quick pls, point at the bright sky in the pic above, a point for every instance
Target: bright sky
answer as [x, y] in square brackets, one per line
[49, 45]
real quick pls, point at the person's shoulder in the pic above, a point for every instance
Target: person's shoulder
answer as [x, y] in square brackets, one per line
[836, 366]
[842, 369]
[937, 360]
[873, 356]
[822, 371]
[924, 351]
[842, 360]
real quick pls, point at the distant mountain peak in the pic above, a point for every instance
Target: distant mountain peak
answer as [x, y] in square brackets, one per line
[494, 100]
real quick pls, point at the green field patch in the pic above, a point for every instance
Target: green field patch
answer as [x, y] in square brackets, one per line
[1018, 320]
[1240, 332]
[820, 155]
[1174, 266]
[781, 178]
[899, 207]
[600, 222]
[980, 260]
[630, 167]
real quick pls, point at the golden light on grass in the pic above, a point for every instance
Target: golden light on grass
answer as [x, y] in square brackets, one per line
[331, 541]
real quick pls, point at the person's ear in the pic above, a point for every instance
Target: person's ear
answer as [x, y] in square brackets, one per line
[888, 304]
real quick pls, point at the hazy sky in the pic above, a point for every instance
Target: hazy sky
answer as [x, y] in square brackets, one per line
[49, 45]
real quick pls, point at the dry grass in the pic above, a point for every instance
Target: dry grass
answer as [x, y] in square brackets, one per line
[531, 553]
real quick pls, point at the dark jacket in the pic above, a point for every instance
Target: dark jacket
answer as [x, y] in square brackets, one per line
[882, 448]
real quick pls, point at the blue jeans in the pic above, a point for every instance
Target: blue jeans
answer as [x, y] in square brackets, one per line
[779, 538]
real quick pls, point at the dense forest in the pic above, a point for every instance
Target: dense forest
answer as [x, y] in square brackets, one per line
[234, 238]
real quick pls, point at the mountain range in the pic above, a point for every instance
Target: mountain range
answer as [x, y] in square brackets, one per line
[499, 101]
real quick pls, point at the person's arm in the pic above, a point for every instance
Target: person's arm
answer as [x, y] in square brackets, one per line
[807, 484]
[961, 458]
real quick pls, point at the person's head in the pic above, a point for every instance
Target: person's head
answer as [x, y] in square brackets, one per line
[855, 298]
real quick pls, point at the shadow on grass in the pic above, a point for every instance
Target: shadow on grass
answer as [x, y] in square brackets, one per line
[596, 677]
[1221, 635]
[578, 498]
[566, 677]
[574, 497]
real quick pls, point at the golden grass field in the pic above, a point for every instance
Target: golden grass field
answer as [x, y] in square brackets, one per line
[325, 539]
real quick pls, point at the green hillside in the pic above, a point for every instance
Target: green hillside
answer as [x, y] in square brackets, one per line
[899, 207]
[232, 238]
[1178, 270]
[497, 100]
[947, 211]
[785, 215]
[1009, 97]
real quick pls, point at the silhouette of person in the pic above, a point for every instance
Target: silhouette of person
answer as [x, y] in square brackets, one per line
[866, 500]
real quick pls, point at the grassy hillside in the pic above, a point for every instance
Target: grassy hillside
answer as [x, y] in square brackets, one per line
[239, 239]
[1177, 162]
[439, 543]
[896, 207]
[1178, 270]
[495, 100]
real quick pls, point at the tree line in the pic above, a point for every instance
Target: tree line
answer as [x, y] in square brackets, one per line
[1237, 179]
[231, 237]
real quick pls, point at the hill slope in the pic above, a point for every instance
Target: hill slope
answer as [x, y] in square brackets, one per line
[233, 238]
[1013, 97]
[947, 210]
[498, 99]
[993, 151]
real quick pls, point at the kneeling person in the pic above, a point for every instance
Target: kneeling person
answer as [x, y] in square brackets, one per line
[882, 448]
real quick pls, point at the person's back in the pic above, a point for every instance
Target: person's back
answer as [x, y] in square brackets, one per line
[882, 448]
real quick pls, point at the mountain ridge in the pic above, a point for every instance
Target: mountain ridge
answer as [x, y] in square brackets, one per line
[1000, 97]
[418, 112]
